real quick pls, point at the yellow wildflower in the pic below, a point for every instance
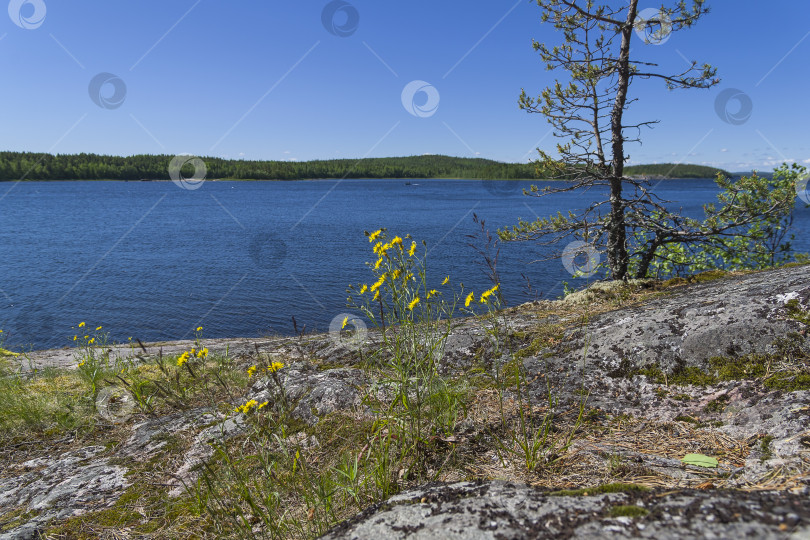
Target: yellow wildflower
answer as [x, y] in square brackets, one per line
[431, 292]
[202, 353]
[380, 249]
[98, 328]
[376, 295]
[378, 263]
[470, 298]
[75, 338]
[264, 404]
[446, 280]
[182, 359]
[92, 340]
[275, 366]
[397, 241]
[247, 406]
[363, 289]
[82, 363]
[250, 371]
[345, 322]
[486, 294]
[396, 273]
[199, 329]
[373, 236]
[412, 250]
[81, 324]
[379, 282]
[413, 303]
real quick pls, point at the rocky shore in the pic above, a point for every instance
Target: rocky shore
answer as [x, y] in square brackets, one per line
[718, 368]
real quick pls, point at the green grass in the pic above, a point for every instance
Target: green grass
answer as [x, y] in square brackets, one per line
[765, 448]
[628, 510]
[722, 368]
[617, 487]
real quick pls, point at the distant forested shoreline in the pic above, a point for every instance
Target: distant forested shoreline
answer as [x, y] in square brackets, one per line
[16, 166]
[672, 170]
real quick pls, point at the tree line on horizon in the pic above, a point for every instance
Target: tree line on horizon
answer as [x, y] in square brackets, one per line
[41, 166]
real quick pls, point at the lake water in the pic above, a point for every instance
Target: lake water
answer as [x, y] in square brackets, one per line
[153, 261]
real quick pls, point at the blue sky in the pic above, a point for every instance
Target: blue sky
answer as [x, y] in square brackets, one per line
[266, 79]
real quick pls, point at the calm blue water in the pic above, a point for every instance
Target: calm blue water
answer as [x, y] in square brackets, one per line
[153, 261]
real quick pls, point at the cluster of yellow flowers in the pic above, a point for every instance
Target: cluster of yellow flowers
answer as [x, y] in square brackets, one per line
[272, 368]
[484, 298]
[193, 353]
[392, 253]
[275, 366]
[249, 405]
[88, 339]
[486, 294]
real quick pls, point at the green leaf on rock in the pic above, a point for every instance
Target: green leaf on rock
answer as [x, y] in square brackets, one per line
[699, 460]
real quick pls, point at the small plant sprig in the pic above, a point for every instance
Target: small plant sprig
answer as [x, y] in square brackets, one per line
[528, 438]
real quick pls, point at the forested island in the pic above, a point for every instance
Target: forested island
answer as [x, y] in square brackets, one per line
[673, 170]
[16, 166]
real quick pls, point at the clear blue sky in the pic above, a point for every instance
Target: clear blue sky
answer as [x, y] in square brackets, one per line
[266, 80]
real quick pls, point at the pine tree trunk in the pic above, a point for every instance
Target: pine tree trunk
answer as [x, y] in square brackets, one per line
[617, 228]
